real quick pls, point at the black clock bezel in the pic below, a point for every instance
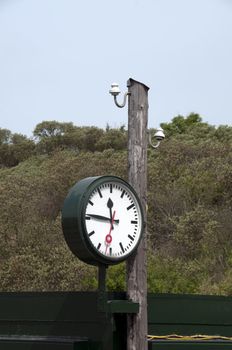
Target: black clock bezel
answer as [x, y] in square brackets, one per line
[74, 224]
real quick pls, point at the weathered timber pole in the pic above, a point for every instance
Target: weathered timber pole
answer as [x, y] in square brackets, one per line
[137, 176]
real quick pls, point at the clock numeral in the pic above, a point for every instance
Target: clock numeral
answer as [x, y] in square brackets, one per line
[111, 188]
[123, 192]
[130, 206]
[99, 245]
[121, 246]
[131, 238]
[91, 203]
[110, 251]
[134, 222]
[91, 233]
[99, 192]
[87, 218]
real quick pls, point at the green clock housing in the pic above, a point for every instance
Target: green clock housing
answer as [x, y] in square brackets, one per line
[102, 220]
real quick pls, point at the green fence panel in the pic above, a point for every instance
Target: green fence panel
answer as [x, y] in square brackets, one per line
[76, 314]
[189, 346]
[189, 314]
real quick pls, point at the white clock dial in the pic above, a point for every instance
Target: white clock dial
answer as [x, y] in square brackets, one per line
[113, 220]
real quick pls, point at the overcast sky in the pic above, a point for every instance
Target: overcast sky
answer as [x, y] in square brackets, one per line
[58, 59]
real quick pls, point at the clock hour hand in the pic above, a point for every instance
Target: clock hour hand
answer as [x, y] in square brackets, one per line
[100, 217]
[110, 206]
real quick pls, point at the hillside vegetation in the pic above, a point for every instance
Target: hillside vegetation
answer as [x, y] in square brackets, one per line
[189, 206]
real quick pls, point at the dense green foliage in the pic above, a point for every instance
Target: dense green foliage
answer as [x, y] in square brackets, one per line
[189, 206]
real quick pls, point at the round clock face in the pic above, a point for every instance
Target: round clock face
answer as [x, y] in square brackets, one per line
[102, 220]
[113, 220]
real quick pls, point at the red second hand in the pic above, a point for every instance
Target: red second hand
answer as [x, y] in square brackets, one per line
[109, 237]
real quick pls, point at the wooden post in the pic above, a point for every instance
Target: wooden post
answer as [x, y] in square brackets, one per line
[137, 177]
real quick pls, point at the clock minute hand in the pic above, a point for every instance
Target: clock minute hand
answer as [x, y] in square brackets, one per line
[100, 217]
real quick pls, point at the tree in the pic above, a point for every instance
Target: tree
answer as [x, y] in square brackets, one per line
[51, 129]
[180, 124]
[5, 135]
[18, 138]
[112, 138]
[189, 207]
[14, 148]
